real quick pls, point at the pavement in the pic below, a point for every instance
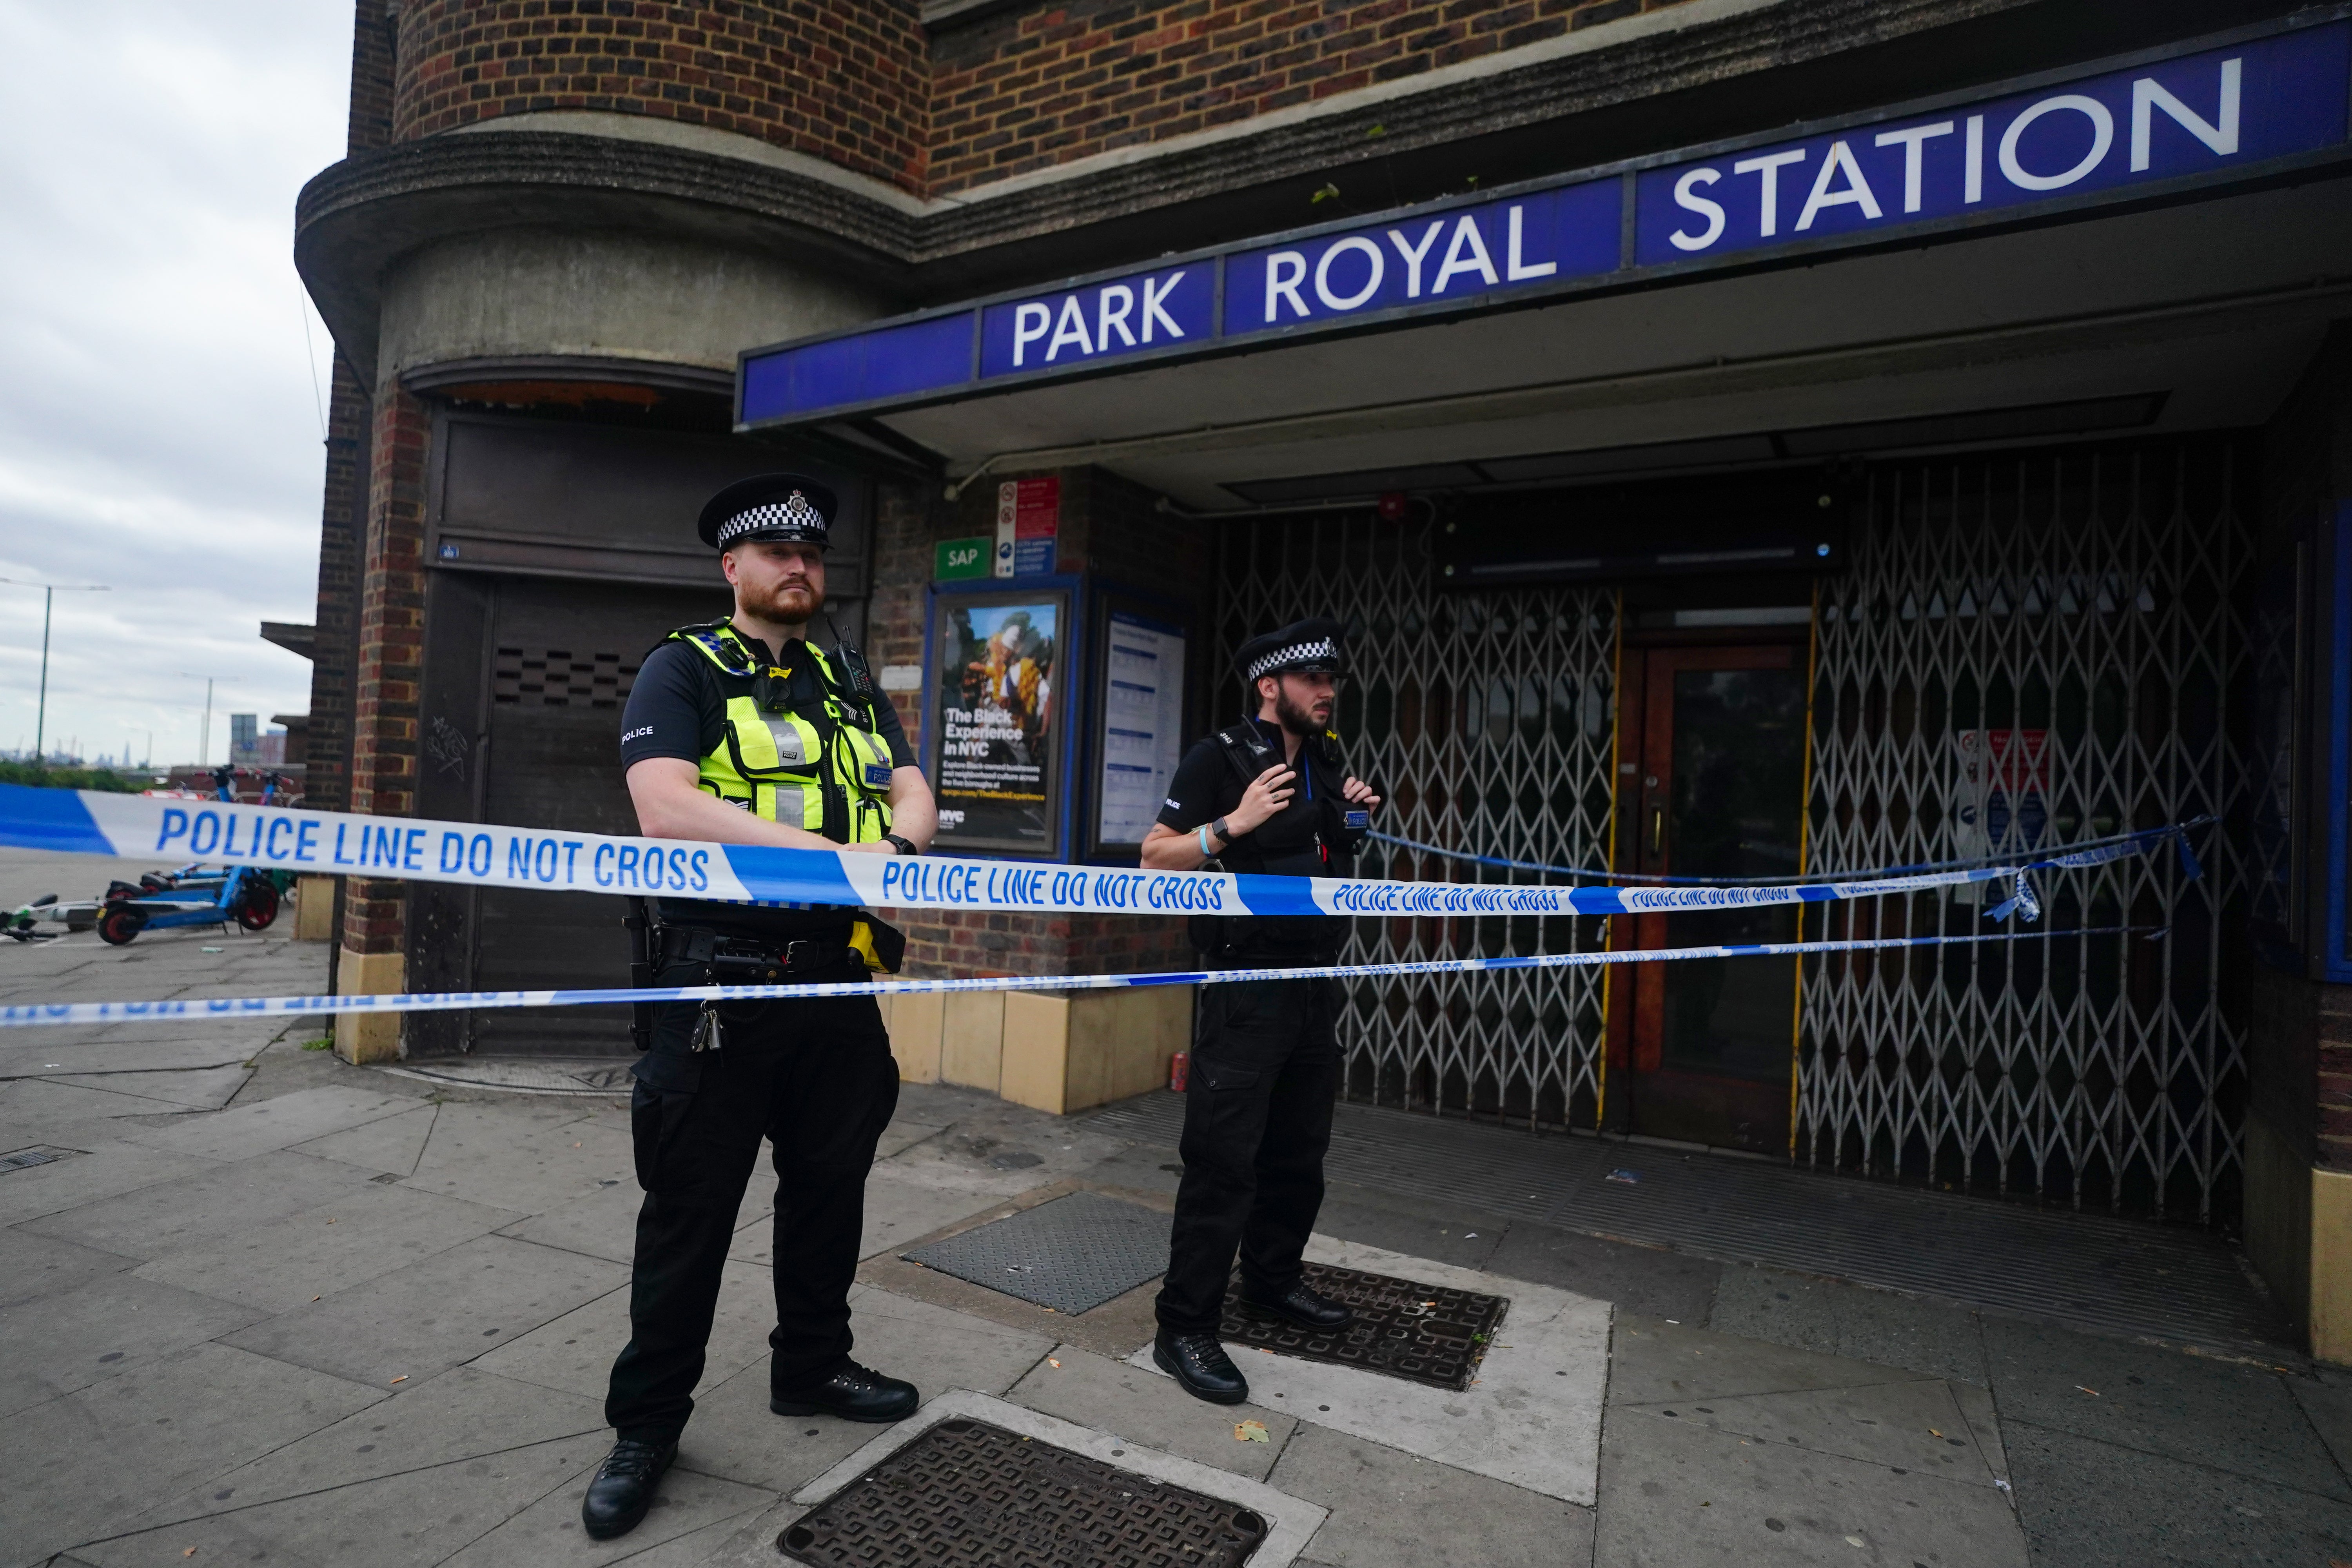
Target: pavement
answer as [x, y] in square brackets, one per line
[263, 1305]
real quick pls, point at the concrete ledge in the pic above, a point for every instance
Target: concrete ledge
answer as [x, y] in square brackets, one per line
[1292, 1521]
[314, 909]
[362, 1039]
[1053, 1053]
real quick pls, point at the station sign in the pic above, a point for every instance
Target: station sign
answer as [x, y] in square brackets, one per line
[2164, 125]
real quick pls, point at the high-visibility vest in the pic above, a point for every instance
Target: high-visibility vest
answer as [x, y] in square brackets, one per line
[819, 765]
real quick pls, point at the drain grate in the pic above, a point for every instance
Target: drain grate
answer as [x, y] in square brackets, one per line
[22, 1158]
[966, 1492]
[1422, 1333]
[1072, 1254]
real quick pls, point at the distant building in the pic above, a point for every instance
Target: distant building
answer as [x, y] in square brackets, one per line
[243, 747]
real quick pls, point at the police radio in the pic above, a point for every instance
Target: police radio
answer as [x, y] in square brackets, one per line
[856, 676]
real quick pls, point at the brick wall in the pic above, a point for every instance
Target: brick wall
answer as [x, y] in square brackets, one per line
[372, 50]
[335, 649]
[1041, 87]
[391, 650]
[844, 80]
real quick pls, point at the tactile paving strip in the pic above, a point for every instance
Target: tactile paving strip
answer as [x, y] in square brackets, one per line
[970, 1495]
[1424, 1333]
[1072, 1254]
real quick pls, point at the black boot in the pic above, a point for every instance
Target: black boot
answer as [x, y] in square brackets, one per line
[1199, 1363]
[854, 1393]
[1301, 1305]
[623, 1487]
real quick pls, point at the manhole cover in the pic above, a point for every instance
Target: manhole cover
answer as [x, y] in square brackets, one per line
[966, 1492]
[1072, 1254]
[1425, 1333]
[20, 1159]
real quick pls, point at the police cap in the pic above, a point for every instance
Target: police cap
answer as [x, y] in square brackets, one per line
[769, 506]
[1311, 646]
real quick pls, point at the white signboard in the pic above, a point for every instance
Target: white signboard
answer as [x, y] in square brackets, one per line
[1143, 719]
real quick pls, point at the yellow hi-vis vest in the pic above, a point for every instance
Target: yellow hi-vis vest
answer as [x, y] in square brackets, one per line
[818, 766]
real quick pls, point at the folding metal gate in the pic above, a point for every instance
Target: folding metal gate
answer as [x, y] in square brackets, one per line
[1489, 719]
[2060, 630]
[2052, 645]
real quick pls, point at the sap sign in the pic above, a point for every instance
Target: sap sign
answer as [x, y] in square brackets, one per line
[2265, 98]
[1441, 257]
[1126, 315]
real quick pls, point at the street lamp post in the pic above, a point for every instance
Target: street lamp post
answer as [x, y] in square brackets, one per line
[48, 596]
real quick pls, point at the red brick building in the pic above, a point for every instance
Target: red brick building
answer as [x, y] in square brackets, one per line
[1745, 434]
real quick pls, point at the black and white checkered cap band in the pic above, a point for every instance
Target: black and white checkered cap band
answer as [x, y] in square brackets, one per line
[1320, 651]
[795, 516]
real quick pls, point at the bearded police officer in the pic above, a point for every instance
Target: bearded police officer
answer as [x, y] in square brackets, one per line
[744, 732]
[1270, 795]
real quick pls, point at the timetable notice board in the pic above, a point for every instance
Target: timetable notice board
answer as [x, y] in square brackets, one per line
[1141, 732]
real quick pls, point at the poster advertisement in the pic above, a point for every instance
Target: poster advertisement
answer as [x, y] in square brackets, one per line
[1142, 728]
[994, 765]
[1028, 526]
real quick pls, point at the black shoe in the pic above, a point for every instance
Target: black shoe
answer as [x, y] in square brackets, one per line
[854, 1393]
[1301, 1305]
[1200, 1365]
[623, 1487]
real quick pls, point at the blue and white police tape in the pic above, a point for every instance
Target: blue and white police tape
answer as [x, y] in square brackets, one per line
[490, 856]
[27, 1014]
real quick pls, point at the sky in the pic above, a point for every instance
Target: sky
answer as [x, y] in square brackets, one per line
[161, 429]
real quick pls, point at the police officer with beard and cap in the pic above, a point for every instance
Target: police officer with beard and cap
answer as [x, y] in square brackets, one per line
[744, 732]
[1270, 795]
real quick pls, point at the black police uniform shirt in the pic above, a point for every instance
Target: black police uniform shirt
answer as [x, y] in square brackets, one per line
[677, 708]
[1206, 787]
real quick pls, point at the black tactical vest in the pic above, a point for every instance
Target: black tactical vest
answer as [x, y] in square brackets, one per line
[1317, 834]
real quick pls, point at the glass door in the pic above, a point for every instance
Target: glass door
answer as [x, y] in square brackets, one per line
[1711, 784]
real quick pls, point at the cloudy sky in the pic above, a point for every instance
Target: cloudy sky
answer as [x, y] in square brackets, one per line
[160, 426]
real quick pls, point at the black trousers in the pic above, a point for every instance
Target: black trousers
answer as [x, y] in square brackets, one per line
[817, 1079]
[1258, 1120]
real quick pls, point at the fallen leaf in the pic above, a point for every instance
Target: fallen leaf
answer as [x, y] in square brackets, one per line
[402, 1378]
[1251, 1432]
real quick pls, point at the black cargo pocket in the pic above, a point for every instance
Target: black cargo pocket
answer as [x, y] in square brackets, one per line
[659, 1106]
[1217, 1076]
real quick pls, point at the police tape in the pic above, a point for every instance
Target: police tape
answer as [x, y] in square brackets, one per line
[216, 1008]
[487, 855]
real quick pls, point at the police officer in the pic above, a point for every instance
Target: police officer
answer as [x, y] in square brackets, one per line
[744, 732]
[1272, 794]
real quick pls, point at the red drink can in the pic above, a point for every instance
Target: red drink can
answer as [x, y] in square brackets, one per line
[1179, 1068]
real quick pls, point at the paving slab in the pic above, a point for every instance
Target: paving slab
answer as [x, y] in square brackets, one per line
[1292, 1521]
[2224, 1414]
[101, 1168]
[1416, 1228]
[1835, 1319]
[1650, 1281]
[466, 1414]
[256, 1129]
[1388, 1507]
[360, 1233]
[197, 1089]
[1680, 1496]
[397, 1521]
[1918, 1426]
[1147, 1407]
[687, 1506]
[2326, 1399]
[393, 1145]
[529, 1158]
[33, 1265]
[62, 1097]
[736, 1438]
[1984, 1426]
[86, 1465]
[434, 1314]
[56, 1344]
[1651, 1360]
[599, 1224]
[1532, 1417]
[574, 1351]
[202, 1210]
[2085, 1503]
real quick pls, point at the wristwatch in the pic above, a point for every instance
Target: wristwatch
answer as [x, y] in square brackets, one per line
[905, 846]
[1223, 832]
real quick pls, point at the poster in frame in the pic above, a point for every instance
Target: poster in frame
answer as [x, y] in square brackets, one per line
[997, 750]
[1139, 717]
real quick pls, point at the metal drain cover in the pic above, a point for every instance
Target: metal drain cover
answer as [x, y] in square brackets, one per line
[967, 1493]
[1072, 1254]
[1424, 1333]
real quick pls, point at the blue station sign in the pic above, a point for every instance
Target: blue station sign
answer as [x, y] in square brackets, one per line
[2209, 113]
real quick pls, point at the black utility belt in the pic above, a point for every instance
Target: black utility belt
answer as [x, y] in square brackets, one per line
[755, 961]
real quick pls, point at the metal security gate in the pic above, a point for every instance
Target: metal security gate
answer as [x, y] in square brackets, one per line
[2031, 649]
[1489, 719]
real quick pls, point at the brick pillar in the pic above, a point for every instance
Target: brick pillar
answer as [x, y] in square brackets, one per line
[371, 958]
